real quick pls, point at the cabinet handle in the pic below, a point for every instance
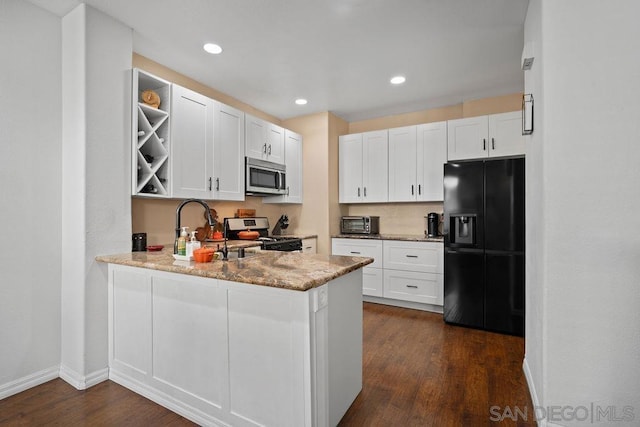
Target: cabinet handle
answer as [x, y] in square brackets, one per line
[484, 144]
[412, 286]
[217, 184]
[264, 148]
[412, 189]
[419, 189]
[493, 143]
[209, 183]
[412, 256]
[269, 149]
[287, 190]
[365, 191]
[358, 191]
[354, 252]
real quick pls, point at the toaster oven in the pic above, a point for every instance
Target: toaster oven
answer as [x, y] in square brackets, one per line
[360, 225]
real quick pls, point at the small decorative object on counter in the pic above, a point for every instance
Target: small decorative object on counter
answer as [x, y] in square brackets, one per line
[203, 254]
[151, 98]
[139, 242]
[182, 242]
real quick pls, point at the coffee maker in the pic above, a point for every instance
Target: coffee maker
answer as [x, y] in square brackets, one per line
[433, 221]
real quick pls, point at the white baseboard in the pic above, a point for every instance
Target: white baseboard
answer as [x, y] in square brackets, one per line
[25, 383]
[82, 382]
[403, 304]
[534, 395]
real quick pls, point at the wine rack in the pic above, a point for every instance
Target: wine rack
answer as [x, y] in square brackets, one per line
[150, 137]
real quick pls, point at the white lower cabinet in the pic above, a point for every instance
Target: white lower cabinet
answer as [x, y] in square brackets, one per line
[310, 245]
[402, 270]
[413, 256]
[228, 353]
[372, 274]
[372, 280]
[413, 286]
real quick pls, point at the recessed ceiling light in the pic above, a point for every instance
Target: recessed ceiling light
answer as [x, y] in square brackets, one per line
[301, 101]
[397, 80]
[212, 48]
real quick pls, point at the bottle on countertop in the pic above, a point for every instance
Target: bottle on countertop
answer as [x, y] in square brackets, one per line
[192, 244]
[182, 242]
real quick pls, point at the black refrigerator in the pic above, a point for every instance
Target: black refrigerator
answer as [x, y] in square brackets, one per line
[484, 244]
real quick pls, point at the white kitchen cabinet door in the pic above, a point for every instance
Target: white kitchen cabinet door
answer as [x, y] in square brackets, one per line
[275, 144]
[228, 156]
[467, 138]
[350, 168]
[293, 161]
[426, 288]
[505, 134]
[264, 140]
[192, 144]
[369, 248]
[375, 166]
[310, 245]
[372, 281]
[403, 164]
[425, 257]
[255, 137]
[431, 155]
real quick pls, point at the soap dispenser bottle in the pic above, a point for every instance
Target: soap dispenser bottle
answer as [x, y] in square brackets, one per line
[182, 241]
[192, 244]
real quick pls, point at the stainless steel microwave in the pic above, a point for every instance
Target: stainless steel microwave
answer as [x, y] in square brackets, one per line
[360, 225]
[265, 178]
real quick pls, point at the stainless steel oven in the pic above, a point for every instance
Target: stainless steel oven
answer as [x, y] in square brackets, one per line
[265, 178]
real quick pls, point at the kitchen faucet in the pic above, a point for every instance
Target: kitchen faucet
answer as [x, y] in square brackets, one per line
[211, 221]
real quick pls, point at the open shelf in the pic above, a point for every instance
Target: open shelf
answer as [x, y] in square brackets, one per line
[150, 137]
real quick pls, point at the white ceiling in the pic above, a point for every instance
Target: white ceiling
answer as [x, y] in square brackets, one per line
[338, 54]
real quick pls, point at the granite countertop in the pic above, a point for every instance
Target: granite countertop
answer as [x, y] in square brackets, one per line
[299, 236]
[287, 270]
[403, 237]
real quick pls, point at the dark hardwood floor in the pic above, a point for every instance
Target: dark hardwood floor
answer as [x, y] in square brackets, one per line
[417, 372]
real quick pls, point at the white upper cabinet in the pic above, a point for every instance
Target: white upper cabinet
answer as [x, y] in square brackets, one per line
[431, 156]
[228, 153]
[505, 134]
[363, 167]
[416, 158]
[403, 179]
[350, 168]
[192, 150]
[293, 161]
[208, 154]
[264, 140]
[467, 138]
[497, 135]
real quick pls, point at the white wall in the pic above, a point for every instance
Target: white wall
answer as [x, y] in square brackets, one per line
[96, 211]
[30, 211]
[588, 291]
[535, 319]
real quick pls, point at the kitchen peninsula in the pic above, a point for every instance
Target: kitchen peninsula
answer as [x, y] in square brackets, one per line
[271, 339]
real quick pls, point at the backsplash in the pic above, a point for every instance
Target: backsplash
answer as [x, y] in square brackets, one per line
[399, 218]
[157, 217]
